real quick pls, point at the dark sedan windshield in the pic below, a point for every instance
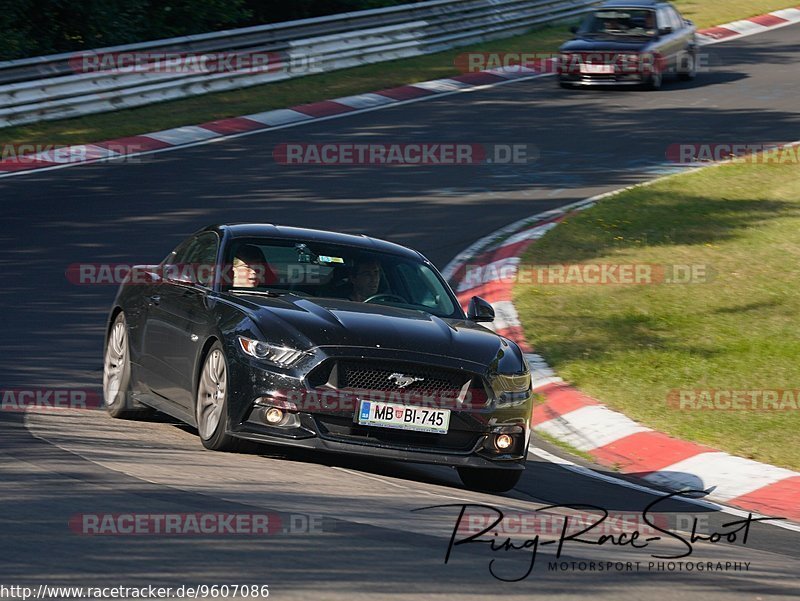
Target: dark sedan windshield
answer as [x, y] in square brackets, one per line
[621, 21]
[336, 271]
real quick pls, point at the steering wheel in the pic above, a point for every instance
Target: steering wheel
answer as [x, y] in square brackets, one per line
[385, 296]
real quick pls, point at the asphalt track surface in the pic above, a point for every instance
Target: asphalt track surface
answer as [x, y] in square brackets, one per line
[368, 544]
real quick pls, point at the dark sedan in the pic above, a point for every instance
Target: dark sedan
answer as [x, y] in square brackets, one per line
[319, 340]
[629, 42]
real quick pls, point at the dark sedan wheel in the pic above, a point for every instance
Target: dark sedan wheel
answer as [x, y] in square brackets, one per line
[688, 70]
[117, 374]
[211, 407]
[655, 81]
[489, 480]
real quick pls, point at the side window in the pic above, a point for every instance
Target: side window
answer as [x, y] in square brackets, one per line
[196, 258]
[202, 256]
[422, 288]
[676, 19]
[663, 19]
[179, 254]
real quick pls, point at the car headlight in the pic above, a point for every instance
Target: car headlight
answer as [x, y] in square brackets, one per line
[515, 389]
[282, 356]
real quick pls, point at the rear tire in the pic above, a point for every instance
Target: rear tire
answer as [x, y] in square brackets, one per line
[488, 479]
[211, 402]
[117, 393]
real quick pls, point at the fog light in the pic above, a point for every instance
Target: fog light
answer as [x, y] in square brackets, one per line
[274, 415]
[503, 441]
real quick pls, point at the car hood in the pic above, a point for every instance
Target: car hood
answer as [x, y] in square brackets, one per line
[331, 322]
[607, 45]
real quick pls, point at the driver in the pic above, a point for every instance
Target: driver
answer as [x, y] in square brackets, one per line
[366, 279]
[250, 268]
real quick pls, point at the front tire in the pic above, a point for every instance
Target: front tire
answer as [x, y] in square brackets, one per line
[489, 480]
[117, 374]
[655, 81]
[688, 69]
[211, 402]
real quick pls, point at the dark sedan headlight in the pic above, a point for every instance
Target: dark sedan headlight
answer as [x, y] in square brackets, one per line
[567, 61]
[515, 389]
[282, 356]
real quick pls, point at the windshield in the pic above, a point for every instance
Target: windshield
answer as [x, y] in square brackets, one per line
[321, 270]
[629, 22]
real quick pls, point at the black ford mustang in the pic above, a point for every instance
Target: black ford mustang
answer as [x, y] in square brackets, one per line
[629, 42]
[319, 340]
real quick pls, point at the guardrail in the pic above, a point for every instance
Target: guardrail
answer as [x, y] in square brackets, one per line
[57, 87]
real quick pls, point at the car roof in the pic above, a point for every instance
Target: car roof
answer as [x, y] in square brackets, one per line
[269, 230]
[632, 4]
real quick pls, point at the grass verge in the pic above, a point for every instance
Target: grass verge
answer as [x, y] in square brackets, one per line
[631, 345]
[201, 109]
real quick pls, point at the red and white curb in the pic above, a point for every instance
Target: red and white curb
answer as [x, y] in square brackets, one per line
[751, 26]
[611, 438]
[192, 135]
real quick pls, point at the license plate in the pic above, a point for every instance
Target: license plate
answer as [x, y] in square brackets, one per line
[597, 69]
[404, 417]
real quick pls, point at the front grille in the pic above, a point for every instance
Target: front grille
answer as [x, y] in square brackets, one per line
[376, 375]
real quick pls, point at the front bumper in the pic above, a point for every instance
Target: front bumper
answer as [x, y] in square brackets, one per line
[602, 80]
[469, 441]
[323, 443]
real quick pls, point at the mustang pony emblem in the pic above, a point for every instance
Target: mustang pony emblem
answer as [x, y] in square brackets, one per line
[403, 380]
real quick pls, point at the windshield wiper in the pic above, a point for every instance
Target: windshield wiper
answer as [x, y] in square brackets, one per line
[624, 34]
[270, 293]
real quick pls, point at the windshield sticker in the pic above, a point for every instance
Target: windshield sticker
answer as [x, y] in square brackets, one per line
[326, 259]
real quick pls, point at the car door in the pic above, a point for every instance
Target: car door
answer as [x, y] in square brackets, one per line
[178, 319]
[151, 334]
[685, 35]
[670, 44]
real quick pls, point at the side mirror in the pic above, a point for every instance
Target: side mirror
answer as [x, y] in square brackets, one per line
[574, 29]
[145, 274]
[178, 274]
[665, 30]
[180, 279]
[479, 310]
